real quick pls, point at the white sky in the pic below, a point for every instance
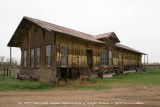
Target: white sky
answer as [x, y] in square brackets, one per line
[135, 22]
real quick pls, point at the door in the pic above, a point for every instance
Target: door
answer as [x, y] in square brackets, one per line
[120, 61]
[89, 59]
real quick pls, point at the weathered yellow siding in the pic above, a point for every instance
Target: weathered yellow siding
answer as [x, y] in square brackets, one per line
[128, 58]
[77, 56]
[30, 36]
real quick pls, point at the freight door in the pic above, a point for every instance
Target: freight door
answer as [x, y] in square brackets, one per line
[89, 59]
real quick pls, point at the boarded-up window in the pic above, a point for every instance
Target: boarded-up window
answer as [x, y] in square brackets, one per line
[110, 58]
[32, 57]
[64, 55]
[48, 55]
[103, 57]
[25, 58]
[38, 57]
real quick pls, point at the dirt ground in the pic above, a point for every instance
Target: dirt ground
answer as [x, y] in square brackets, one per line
[145, 96]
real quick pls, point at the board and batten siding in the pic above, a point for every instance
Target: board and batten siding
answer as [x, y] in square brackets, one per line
[39, 38]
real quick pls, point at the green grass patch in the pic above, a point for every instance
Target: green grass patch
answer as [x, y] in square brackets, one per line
[151, 77]
[1, 72]
[10, 83]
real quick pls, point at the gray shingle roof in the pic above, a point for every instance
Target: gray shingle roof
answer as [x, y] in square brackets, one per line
[85, 36]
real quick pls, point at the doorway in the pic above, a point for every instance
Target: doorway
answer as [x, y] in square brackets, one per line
[120, 61]
[89, 59]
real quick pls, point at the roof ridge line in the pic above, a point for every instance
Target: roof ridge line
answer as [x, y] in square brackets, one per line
[57, 25]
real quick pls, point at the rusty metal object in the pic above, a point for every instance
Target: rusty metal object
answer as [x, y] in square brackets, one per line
[23, 77]
[34, 78]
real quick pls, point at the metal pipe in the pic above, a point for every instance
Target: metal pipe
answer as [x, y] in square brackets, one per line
[10, 57]
[144, 59]
[147, 59]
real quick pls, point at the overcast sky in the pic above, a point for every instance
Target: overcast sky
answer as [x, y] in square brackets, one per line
[135, 22]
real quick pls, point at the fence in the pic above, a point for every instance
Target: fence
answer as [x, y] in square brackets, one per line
[10, 72]
[152, 66]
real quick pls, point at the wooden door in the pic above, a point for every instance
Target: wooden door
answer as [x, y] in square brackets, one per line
[120, 61]
[89, 59]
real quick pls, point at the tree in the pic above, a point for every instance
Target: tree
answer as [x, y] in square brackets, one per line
[5, 63]
[2, 58]
[15, 63]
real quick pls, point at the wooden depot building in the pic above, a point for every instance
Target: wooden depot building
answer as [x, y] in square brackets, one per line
[51, 51]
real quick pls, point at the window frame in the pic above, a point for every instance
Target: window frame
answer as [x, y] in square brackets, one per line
[48, 55]
[110, 53]
[103, 58]
[119, 55]
[32, 57]
[38, 56]
[25, 58]
[64, 56]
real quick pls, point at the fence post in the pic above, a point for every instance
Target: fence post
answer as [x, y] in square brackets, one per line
[4, 71]
[7, 72]
[14, 73]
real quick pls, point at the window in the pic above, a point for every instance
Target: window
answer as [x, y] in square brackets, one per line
[38, 57]
[110, 58]
[119, 55]
[103, 57]
[64, 55]
[32, 57]
[48, 55]
[25, 58]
